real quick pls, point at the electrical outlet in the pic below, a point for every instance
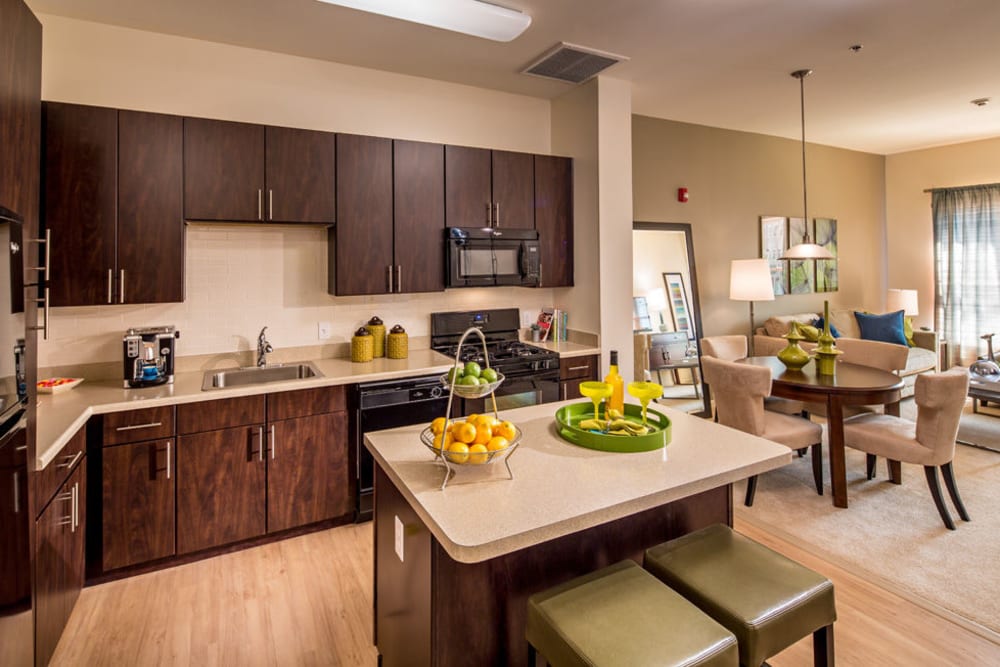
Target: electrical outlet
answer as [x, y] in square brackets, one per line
[324, 330]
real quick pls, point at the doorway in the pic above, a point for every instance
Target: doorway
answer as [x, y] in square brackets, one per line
[666, 318]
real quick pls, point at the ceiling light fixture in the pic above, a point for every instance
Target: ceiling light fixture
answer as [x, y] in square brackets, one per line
[807, 249]
[471, 17]
[981, 101]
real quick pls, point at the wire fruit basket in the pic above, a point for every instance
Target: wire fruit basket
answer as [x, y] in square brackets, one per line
[451, 459]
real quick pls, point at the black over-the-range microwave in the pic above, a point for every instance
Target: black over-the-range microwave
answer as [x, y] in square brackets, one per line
[485, 257]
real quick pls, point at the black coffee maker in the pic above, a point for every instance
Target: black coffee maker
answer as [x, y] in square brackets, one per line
[149, 356]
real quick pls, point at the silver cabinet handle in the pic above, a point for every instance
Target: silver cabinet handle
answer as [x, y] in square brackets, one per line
[274, 442]
[168, 458]
[270, 204]
[76, 506]
[496, 215]
[17, 493]
[399, 278]
[44, 268]
[579, 368]
[72, 461]
[65, 497]
[260, 204]
[389, 269]
[121, 286]
[138, 426]
[111, 280]
[45, 314]
[260, 436]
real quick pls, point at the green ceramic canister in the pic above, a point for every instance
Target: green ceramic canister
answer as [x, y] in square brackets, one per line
[377, 329]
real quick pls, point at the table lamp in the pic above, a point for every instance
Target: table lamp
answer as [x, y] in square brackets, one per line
[750, 280]
[657, 300]
[904, 300]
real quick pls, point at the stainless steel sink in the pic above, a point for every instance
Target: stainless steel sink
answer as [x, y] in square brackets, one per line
[242, 377]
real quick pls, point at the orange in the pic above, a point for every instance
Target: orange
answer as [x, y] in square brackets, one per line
[465, 432]
[472, 418]
[506, 430]
[483, 420]
[478, 454]
[437, 425]
[497, 442]
[458, 452]
[483, 433]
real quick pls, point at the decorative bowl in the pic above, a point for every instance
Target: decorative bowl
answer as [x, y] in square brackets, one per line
[473, 391]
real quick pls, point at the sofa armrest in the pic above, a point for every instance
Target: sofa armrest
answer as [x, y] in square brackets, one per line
[929, 341]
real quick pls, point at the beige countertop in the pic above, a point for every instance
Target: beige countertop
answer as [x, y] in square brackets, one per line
[60, 416]
[566, 349]
[559, 488]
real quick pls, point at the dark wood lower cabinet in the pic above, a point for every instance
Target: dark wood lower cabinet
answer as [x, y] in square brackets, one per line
[59, 561]
[220, 487]
[307, 471]
[138, 500]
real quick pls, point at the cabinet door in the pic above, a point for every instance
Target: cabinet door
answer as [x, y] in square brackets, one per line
[138, 492]
[220, 487]
[468, 190]
[418, 203]
[364, 262]
[223, 170]
[513, 190]
[554, 219]
[150, 208]
[80, 163]
[59, 562]
[307, 471]
[300, 175]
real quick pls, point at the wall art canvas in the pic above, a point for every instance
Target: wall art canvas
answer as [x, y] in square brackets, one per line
[801, 272]
[680, 307]
[826, 269]
[773, 241]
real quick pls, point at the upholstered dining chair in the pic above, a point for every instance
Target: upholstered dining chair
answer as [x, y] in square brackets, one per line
[929, 442]
[739, 391]
[875, 354]
[733, 348]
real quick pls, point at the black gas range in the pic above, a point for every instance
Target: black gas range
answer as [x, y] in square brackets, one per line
[531, 373]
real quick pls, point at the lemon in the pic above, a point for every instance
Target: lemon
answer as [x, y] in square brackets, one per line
[458, 452]
[506, 429]
[437, 425]
[496, 443]
[466, 433]
[478, 454]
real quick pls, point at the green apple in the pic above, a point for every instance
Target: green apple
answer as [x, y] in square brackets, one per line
[489, 375]
[454, 373]
[473, 369]
[470, 380]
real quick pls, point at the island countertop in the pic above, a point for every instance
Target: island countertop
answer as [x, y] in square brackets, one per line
[560, 488]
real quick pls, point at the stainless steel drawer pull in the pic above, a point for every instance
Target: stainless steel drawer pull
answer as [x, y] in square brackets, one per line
[399, 278]
[71, 462]
[121, 286]
[76, 506]
[111, 282]
[389, 269]
[168, 459]
[496, 216]
[274, 442]
[270, 204]
[17, 494]
[135, 427]
[260, 436]
[260, 204]
[578, 368]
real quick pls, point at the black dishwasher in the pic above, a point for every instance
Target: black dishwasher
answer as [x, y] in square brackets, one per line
[389, 404]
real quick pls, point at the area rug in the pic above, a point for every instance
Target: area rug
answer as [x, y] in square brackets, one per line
[892, 534]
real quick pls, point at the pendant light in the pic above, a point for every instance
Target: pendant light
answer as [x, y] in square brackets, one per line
[807, 249]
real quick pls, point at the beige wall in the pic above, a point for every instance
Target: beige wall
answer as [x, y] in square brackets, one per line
[91, 63]
[735, 177]
[908, 208]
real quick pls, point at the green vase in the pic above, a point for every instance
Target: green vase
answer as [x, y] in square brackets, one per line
[826, 349]
[793, 356]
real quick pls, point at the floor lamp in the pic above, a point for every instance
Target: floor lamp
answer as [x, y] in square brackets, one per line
[750, 280]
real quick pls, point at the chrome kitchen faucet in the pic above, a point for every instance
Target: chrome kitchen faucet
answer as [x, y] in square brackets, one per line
[263, 347]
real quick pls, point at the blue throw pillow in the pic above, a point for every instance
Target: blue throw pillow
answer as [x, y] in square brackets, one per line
[819, 324]
[887, 328]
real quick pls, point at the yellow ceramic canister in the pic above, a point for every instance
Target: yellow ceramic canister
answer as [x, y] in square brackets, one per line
[362, 346]
[398, 343]
[377, 330]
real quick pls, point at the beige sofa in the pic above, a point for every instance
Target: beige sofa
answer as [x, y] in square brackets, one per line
[922, 358]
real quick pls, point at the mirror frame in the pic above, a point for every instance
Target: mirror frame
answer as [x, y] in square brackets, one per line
[685, 227]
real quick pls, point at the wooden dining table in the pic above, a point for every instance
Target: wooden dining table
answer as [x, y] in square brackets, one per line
[852, 384]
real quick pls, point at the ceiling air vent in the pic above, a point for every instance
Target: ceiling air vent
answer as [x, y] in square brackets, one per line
[571, 63]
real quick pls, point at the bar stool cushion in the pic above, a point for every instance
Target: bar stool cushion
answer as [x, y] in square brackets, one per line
[768, 601]
[621, 615]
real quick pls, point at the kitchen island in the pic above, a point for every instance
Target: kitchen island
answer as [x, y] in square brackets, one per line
[454, 568]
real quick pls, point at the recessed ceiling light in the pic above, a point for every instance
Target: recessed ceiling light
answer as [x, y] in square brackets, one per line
[981, 101]
[856, 48]
[471, 17]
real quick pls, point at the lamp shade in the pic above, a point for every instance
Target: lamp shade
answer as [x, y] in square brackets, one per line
[904, 300]
[657, 299]
[750, 280]
[807, 250]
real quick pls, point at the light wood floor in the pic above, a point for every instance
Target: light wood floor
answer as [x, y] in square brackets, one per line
[307, 601]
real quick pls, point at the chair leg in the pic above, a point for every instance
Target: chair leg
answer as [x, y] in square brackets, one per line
[817, 461]
[751, 491]
[949, 481]
[823, 655]
[935, 487]
[895, 471]
[870, 460]
[801, 451]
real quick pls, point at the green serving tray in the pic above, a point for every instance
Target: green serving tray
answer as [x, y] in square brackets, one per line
[570, 415]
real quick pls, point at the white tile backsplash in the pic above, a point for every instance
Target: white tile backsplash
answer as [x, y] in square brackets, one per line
[241, 278]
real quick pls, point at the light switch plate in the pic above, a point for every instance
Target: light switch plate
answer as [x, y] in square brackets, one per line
[399, 539]
[324, 330]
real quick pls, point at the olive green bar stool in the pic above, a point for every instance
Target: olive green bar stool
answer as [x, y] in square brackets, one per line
[768, 601]
[621, 615]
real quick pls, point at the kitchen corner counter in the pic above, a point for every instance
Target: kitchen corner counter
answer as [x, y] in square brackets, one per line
[61, 415]
[566, 349]
[559, 488]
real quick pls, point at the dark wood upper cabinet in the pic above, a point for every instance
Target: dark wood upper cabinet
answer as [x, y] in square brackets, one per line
[468, 187]
[150, 208]
[138, 502]
[513, 190]
[80, 164]
[300, 168]
[362, 245]
[554, 218]
[223, 170]
[418, 205]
